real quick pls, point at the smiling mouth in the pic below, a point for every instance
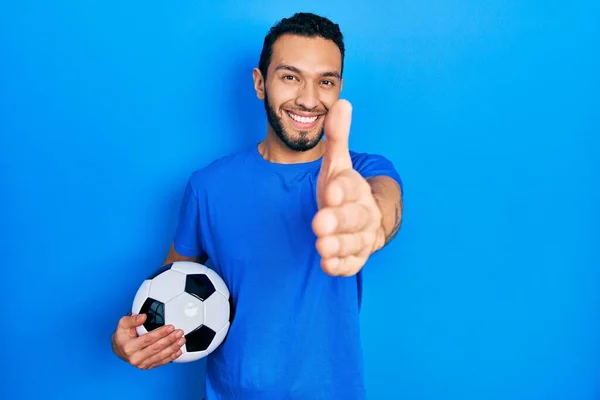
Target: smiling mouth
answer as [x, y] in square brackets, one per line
[302, 121]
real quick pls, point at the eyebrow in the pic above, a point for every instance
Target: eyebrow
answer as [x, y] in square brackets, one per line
[333, 74]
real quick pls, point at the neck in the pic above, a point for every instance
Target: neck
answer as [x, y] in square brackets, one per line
[272, 149]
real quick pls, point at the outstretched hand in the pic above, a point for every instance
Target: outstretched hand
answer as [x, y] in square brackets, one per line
[348, 224]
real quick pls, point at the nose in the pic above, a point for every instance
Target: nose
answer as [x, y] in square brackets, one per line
[307, 97]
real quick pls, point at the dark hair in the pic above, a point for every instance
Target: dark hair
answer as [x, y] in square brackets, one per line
[302, 24]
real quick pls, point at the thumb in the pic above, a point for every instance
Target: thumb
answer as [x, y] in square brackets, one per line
[337, 136]
[132, 321]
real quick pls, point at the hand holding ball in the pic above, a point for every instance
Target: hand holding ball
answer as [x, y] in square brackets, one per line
[191, 298]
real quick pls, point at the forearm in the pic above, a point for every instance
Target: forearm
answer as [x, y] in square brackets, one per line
[174, 256]
[388, 196]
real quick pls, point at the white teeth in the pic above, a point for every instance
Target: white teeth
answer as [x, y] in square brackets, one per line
[304, 120]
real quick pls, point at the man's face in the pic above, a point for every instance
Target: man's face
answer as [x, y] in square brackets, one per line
[303, 81]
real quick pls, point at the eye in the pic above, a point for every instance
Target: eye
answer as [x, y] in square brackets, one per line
[289, 77]
[327, 82]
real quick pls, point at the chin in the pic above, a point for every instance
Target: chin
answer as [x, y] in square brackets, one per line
[301, 140]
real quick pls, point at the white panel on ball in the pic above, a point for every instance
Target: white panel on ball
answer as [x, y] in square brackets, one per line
[167, 285]
[188, 357]
[189, 267]
[141, 330]
[184, 312]
[216, 311]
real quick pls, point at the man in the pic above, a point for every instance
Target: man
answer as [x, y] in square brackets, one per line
[288, 223]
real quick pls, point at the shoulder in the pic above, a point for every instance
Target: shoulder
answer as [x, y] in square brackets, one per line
[370, 163]
[363, 159]
[222, 168]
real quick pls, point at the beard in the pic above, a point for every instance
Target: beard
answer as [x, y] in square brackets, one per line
[302, 143]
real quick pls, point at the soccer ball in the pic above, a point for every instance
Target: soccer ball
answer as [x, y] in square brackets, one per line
[191, 297]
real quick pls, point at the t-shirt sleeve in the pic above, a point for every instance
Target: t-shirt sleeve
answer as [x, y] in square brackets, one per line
[187, 240]
[369, 165]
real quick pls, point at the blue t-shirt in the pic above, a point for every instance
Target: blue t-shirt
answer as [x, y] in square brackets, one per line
[295, 331]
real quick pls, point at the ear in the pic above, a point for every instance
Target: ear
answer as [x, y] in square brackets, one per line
[259, 83]
[341, 84]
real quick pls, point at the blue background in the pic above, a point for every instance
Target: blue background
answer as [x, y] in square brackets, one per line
[489, 110]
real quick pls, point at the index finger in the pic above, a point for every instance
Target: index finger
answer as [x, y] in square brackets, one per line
[348, 218]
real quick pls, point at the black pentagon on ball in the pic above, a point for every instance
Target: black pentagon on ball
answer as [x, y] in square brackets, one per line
[199, 285]
[155, 314]
[199, 339]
